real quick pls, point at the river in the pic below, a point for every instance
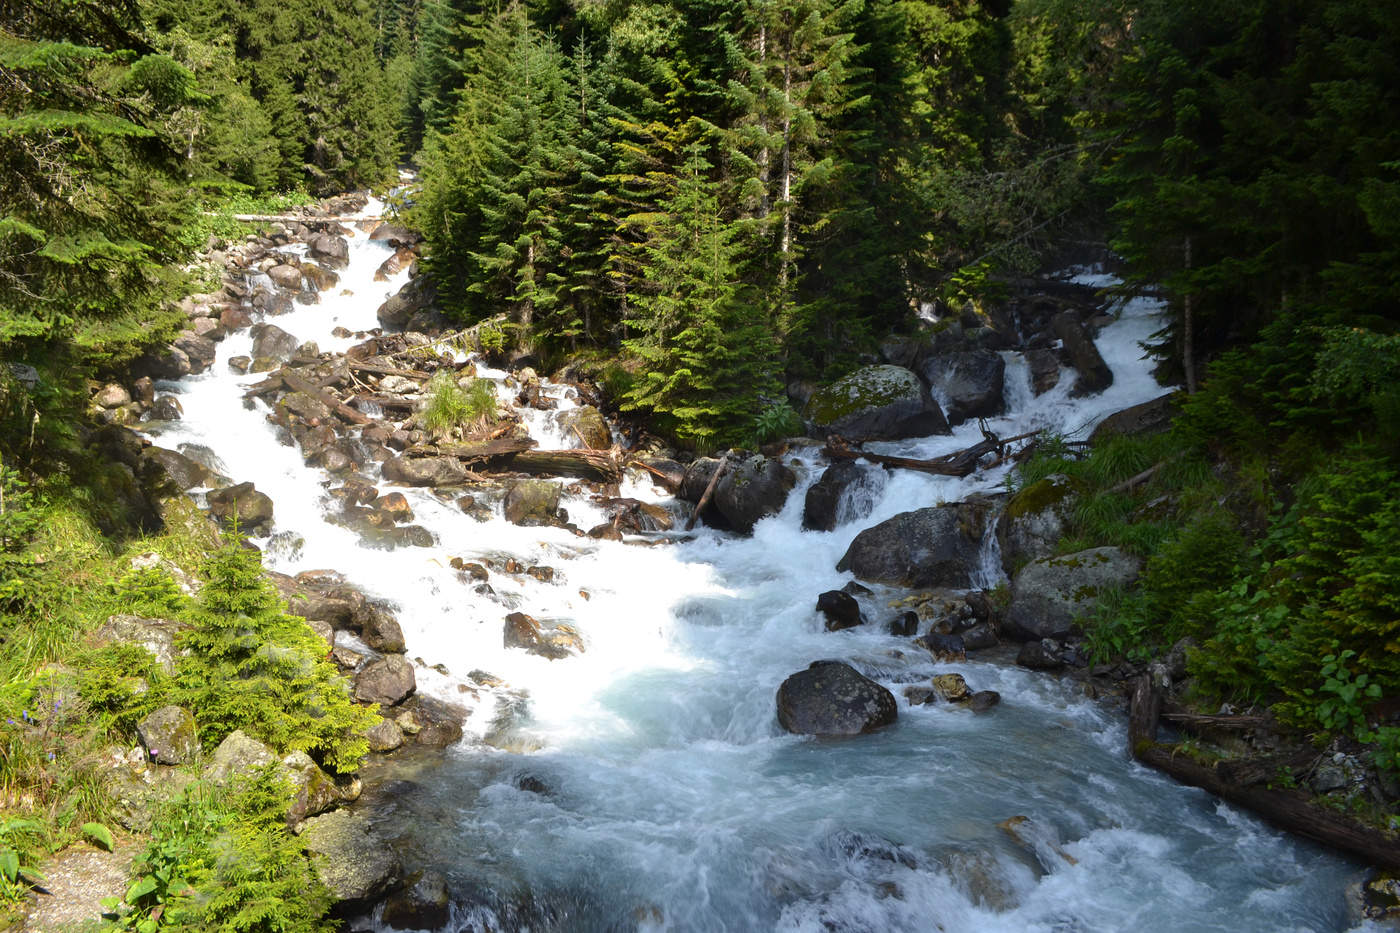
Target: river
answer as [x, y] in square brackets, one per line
[646, 784]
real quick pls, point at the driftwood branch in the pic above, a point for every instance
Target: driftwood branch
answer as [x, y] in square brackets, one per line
[1139, 479]
[707, 495]
[959, 463]
[380, 369]
[298, 384]
[1286, 808]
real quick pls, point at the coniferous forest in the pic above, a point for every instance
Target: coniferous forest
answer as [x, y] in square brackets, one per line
[708, 209]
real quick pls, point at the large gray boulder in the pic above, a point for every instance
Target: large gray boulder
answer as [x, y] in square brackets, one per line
[386, 681]
[1094, 374]
[752, 489]
[350, 858]
[1034, 520]
[252, 510]
[969, 383]
[159, 465]
[833, 698]
[272, 342]
[399, 308]
[531, 502]
[425, 471]
[877, 403]
[169, 735]
[932, 547]
[1146, 418]
[330, 250]
[285, 275]
[836, 497]
[238, 754]
[1049, 595]
[155, 635]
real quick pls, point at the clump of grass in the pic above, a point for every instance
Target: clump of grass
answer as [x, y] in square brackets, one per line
[451, 407]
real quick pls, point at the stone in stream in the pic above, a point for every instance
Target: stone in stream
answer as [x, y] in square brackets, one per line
[951, 688]
[424, 471]
[318, 277]
[243, 504]
[523, 631]
[1049, 595]
[841, 610]
[532, 502]
[936, 546]
[330, 250]
[431, 721]
[159, 466]
[199, 350]
[904, 625]
[943, 647]
[421, 904]
[166, 408]
[1034, 520]
[378, 629]
[111, 395]
[877, 403]
[272, 342]
[387, 681]
[1094, 374]
[821, 511]
[971, 381]
[587, 424]
[833, 698]
[752, 489]
[285, 275]
[350, 858]
[384, 736]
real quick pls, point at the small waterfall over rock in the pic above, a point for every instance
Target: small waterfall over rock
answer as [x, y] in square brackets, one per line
[639, 780]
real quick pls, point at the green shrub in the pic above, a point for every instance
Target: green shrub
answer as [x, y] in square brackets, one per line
[450, 407]
[777, 420]
[253, 667]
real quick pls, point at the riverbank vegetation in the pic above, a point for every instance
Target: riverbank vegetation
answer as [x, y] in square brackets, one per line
[714, 202]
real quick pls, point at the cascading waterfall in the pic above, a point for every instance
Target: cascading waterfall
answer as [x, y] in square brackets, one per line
[645, 784]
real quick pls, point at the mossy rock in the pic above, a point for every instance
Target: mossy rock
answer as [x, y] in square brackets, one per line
[1034, 520]
[1050, 595]
[877, 403]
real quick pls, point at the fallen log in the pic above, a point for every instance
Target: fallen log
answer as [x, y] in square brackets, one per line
[598, 465]
[1201, 721]
[1286, 808]
[958, 463]
[475, 450]
[298, 384]
[380, 369]
[388, 401]
[707, 494]
[269, 384]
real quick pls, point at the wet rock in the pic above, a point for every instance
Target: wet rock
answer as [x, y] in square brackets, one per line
[905, 624]
[173, 363]
[424, 471]
[384, 736]
[155, 635]
[240, 364]
[395, 235]
[318, 277]
[970, 382]
[752, 489]
[395, 505]
[474, 571]
[307, 407]
[349, 857]
[1044, 364]
[1043, 655]
[241, 504]
[386, 681]
[235, 318]
[162, 467]
[330, 250]
[588, 424]
[919, 696]
[943, 647]
[841, 610]
[285, 275]
[523, 631]
[167, 408]
[983, 700]
[1034, 520]
[1094, 374]
[1148, 418]
[378, 629]
[932, 547]
[531, 502]
[1049, 595]
[1039, 839]
[632, 516]
[823, 508]
[272, 342]
[399, 309]
[432, 722]
[951, 688]
[199, 350]
[422, 904]
[144, 390]
[980, 636]
[833, 698]
[169, 735]
[877, 403]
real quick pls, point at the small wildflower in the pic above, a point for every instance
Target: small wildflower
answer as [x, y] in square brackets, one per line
[50, 756]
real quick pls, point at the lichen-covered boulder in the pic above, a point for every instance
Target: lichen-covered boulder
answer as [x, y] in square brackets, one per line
[424, 471]
[532, 502]
[969, 383]
[933, 547]
[350, 858]
[877, 403]
[237, 754]
[169, 735]
[753, 489]
[1049, 595]
[833, 698]
[155, 635]
[1034, 520]
[384, 736]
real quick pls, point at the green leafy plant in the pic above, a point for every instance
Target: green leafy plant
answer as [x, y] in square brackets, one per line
[450, 407]
[776, 420]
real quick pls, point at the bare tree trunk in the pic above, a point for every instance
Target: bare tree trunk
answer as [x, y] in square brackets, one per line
[786, 200]
[764, 156]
